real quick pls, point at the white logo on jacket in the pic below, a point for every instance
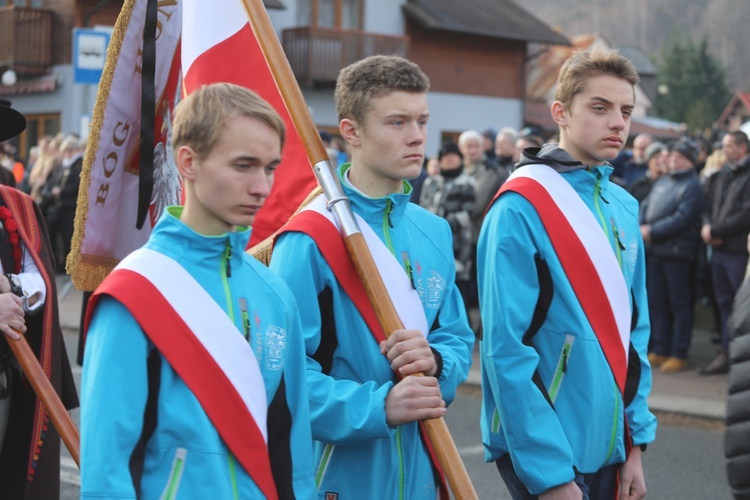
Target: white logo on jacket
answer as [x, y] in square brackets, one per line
[275, 347]
[432, 296]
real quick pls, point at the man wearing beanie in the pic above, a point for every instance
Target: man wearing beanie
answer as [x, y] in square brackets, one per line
[726, 224]
[670, 225]
[450, 194]
[656, 161]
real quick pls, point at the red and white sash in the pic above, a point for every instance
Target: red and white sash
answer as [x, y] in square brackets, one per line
[316, 221]
[204, 347]
[586, 256]
[403, 295]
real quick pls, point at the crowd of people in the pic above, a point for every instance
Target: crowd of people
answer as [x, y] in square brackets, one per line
[51, 176]
[682, 185]
[585, 262]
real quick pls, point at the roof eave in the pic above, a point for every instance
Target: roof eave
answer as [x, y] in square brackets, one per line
[420, 18]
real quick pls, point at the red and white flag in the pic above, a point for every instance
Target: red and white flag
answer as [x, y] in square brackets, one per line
[218, 45]
[197, 43]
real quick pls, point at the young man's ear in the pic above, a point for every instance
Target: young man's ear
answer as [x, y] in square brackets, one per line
[350, 131]
[186, 162]
[559, 114]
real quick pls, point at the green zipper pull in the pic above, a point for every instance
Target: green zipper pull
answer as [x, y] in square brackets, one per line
[566, 355]
[617, 234]
[245, 317]
[409, 269]
[228, 257]
[388, 210]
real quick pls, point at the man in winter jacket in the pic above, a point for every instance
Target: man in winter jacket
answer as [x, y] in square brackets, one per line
[193, 380]
[670, 225]
[726, 224]
[450, 194]
[737, 435]
[565, 374]
[365, 416]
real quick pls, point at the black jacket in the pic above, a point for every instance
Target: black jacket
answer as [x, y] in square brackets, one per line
[673, 209]
[737, 436]
[728, 207]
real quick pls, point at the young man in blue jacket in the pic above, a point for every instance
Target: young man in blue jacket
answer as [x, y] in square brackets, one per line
[364, 417]
[193, 380]
[565, 373]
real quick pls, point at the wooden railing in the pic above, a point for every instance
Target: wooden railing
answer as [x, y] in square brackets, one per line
[317, 54]
[25, 40]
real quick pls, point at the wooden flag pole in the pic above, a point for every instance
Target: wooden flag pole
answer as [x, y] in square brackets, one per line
[47, 395]
[445, 448]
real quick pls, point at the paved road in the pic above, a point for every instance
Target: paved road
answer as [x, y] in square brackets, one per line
[685, 463]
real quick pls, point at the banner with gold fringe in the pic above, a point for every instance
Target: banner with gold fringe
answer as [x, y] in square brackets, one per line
[106, 217]
[205, 42]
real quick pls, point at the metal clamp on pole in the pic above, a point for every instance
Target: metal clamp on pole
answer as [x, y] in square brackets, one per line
[338, 203]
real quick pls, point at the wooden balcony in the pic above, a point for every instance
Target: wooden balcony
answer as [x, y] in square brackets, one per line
[317, 54]
[25, 40]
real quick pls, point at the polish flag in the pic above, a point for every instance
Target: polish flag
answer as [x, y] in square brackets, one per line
[218, 45]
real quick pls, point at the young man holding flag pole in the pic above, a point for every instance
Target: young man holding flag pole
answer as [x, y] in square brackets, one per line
[365, 421]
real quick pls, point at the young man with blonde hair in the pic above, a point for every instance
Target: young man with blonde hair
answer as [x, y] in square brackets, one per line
[364, 415]
[565, 375]
[193, 379]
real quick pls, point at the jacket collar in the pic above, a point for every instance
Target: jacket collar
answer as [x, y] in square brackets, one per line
[171, 233]
[370, 209]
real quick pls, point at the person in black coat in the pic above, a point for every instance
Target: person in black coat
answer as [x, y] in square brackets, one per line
[726, 225]
[737, 434]
[670, 225]
[29, 443]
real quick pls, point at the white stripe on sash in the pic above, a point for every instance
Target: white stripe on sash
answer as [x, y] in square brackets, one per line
[593, 238]
[405, 299]
[210, 324]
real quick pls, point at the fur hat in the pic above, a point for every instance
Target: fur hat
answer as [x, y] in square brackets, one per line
[687, 148]
[12, 122]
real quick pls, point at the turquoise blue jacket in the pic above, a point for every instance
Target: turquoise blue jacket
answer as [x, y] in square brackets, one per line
[185, 457]
[357, 454]
[582, 428]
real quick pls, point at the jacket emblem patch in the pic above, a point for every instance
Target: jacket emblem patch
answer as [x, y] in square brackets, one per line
[275, 347]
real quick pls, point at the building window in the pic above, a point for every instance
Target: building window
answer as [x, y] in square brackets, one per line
[37, 126]
[344, 14]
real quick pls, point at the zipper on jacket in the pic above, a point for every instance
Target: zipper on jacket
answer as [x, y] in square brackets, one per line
[175, 475]
[233, 475]
[226, 273]
[597, 205]
[245, 318]
[409, 269]
[562, 367]
[616, 413]
[619, 245]
[228, 259]
[495, 421]
[387, 224]
[325, 460]
[400, 449]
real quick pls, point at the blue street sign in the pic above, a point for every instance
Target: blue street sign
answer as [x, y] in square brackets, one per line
[89, 54]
